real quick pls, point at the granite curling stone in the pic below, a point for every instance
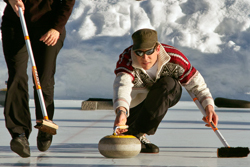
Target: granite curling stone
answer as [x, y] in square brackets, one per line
[119, 146]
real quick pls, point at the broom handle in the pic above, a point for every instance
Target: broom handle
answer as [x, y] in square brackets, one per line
[213, 126]
[34, 69]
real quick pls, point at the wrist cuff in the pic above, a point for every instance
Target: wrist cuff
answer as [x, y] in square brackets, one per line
[125, 112]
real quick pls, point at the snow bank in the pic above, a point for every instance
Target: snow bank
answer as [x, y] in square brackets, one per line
[213, 34]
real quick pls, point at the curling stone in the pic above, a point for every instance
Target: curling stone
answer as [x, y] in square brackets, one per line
[119, 146]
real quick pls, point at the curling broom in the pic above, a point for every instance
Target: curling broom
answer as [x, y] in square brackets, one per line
[45, 124]
[225, 151]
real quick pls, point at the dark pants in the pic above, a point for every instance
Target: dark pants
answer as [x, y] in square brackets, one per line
[146, 117]
[16, 109]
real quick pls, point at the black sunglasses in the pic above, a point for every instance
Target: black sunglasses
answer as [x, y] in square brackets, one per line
[147, 52]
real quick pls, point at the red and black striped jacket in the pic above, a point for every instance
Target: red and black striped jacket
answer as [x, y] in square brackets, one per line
[132, 82]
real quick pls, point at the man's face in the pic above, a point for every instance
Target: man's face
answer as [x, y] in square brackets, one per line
[148, 61]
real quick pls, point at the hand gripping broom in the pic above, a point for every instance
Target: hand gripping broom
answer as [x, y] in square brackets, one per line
[225, 151]
[45, 124]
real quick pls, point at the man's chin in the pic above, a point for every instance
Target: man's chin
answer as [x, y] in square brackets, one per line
[146, 67]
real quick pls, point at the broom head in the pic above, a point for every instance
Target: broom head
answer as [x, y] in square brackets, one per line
[226, 152]
[46, 126]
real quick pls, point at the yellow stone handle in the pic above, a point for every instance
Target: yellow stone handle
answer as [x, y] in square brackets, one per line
[119, 127]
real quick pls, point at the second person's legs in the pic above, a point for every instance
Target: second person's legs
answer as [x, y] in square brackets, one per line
[45, 58]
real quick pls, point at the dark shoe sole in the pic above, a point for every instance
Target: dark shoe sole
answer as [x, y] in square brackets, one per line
[149, 148]
[150, 151]
[43, 147]
[43, 144]
[19, 148]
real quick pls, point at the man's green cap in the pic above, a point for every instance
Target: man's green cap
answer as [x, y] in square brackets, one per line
[144, 39]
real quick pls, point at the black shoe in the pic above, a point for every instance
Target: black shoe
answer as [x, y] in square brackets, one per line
[44, 140]
[147, 146]
[20, 145]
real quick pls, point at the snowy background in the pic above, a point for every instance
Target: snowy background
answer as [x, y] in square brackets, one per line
[213, 34]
